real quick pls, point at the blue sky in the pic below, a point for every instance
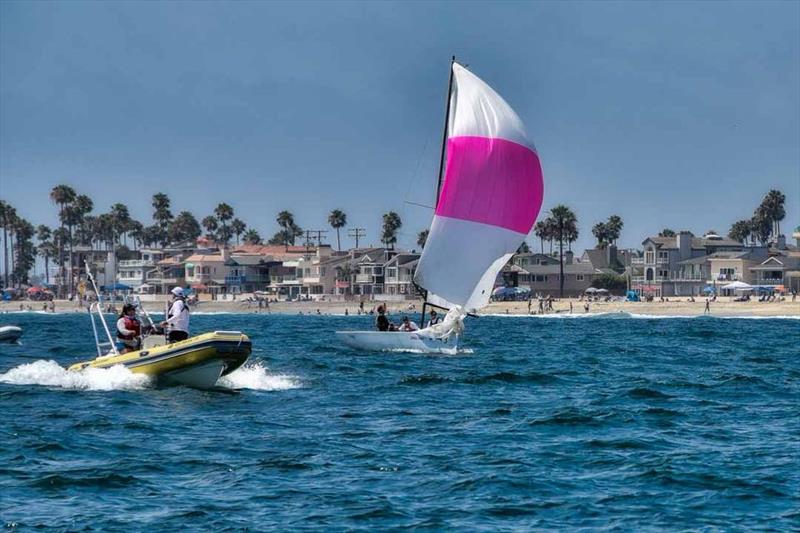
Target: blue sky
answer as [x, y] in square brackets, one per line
[676, 114]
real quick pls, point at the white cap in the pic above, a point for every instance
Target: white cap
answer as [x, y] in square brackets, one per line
[177, 291]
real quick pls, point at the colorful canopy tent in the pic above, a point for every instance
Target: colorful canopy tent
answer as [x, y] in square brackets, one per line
[708, 289]
[632, 296]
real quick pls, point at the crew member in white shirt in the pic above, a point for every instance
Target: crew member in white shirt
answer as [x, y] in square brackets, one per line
[407, 325]
[177, 322]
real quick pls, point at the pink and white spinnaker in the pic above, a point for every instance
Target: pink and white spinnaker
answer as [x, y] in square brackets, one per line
[490, 197]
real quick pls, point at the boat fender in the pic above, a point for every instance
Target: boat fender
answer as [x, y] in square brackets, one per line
[144, 353]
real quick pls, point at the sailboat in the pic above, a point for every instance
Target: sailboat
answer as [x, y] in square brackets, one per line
[488, 196]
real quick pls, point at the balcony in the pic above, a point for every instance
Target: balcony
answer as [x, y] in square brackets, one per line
[135, 263]
[364, 278]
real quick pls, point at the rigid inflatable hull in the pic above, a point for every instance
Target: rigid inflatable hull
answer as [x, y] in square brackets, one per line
[10, 333]
[190, 362]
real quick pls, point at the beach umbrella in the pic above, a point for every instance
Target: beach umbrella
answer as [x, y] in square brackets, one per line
[602, 290]
[737, 286]
[591, 290]
[35, 290]
[709, 289]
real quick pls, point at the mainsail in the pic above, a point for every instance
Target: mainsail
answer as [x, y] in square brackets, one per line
[490, 197]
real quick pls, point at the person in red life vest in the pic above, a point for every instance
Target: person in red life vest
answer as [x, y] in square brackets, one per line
[129, 329]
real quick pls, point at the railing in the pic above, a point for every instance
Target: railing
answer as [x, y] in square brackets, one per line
[727, 277]
[771, 280]
[136, 263]
[364, 278]
[637, 260]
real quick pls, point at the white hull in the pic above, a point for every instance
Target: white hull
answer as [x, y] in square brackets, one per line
[10, 333]
[398, 341]
[202, 376]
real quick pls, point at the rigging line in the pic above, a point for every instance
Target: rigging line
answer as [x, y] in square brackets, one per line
[418, 205]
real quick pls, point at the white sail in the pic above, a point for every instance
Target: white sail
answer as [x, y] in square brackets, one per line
[491, 194]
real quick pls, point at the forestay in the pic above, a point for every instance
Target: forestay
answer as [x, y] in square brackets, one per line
[491, 195]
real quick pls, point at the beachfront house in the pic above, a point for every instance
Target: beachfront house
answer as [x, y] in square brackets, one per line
[399, 275]
[369, 274]
[665, 268]
[205, 272]
[246, 273]
[542, 274]
[778, 269]
[133, 272]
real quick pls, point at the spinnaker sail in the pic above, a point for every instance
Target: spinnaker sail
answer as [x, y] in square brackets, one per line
[490, 197]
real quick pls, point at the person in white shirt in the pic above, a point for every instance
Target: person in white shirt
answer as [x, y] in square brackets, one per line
[407, 325]
[435, 319]
[177, 322]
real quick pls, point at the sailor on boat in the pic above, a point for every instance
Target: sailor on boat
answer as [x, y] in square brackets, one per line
[129, 329]
[382, 323]
[177, 320]
[408, 325]
[435, 319]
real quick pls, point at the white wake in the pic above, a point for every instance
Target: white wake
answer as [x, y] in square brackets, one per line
[51, 374]
[255, 376]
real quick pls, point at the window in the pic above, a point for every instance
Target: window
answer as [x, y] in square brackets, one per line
[649, 256]
[391, 272]
[663, 255]
[540, 278]
[579, 277]
[663, 273]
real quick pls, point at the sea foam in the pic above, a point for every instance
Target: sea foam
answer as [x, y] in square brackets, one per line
[51, 374]
[255, 376]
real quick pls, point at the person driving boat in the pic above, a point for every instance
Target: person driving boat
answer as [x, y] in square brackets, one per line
[177, 320]
[435, 319]
[129, 329]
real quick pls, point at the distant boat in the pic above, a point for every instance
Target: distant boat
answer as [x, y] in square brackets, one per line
[10, 333]
[488, 196]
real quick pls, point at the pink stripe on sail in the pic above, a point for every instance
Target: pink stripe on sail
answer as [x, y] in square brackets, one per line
[492, 181]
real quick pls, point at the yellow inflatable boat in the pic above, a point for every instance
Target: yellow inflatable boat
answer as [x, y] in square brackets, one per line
[196, 362]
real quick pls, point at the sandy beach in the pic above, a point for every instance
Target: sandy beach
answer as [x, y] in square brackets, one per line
[722, 307]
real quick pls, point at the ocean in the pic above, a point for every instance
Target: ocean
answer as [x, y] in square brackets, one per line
[597, 422]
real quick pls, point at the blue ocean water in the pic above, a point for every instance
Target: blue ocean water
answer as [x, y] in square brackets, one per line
[587, 422]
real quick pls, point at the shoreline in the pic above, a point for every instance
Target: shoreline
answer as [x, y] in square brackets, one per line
[674, 308]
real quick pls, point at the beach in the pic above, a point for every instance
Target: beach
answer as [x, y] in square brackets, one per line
[672, 307]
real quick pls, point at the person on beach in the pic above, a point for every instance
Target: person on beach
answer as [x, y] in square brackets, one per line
[382, 323]
[129, 329]
[586, 307]
[570, 307]
[177, 321]
[408, 325]
[436, 319]
[707, 310]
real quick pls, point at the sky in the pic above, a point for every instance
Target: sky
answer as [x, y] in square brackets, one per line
[669, 114]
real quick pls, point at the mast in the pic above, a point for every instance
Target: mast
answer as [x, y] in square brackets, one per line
[444, 132]
[441, 165]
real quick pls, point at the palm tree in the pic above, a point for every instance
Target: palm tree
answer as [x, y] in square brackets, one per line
[761, 224]
[161, 213]
[45, 248]
[614, 226]
[224, 213]
[552, 231]
[391, 223]
[121, 220]
[540, 230]
[422, 238]
[238, 227]
[740, 231]
[337, 219]
[136, 230]
[600, 231]
[252, 237]
[666, 232]
[62, 195]
[773, 208]
[286, 221]
[211, 225]
[184, 227]
[571, 234]
[7, 215]
[563, 218]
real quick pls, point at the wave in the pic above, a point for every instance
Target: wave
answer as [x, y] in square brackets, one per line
[645, 316]
[51, 374]
[254, 376]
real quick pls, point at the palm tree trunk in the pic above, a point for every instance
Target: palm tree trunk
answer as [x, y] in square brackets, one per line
[561, 262]
[5, 255]
[47, 269]
[338, 240]
[541, 243]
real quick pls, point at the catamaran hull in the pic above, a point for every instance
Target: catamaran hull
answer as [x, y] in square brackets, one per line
[196, 362]
[398, 341]
[10, 333]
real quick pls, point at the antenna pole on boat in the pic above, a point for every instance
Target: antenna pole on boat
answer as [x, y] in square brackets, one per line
[441, 160]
